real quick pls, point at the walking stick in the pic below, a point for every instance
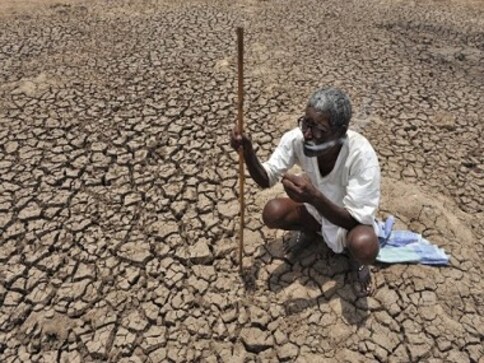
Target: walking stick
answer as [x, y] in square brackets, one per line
[240, 126]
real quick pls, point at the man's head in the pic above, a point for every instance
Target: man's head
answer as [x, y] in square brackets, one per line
[335, 104]
[326, 121]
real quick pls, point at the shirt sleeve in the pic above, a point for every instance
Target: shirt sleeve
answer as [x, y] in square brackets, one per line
[282, 159]
[363, 194]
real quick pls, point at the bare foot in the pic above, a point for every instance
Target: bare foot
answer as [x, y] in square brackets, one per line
[363, 282]
[298, 242]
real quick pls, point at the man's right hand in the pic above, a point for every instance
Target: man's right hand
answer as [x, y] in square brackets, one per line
[239, 141]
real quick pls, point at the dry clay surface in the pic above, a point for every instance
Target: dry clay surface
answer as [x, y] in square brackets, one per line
[118, 188]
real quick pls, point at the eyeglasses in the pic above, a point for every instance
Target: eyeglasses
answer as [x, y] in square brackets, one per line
[316, 130]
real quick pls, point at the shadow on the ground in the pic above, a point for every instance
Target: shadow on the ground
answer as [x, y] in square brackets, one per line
[322, 276]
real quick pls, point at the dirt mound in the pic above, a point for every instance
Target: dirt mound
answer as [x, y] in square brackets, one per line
[414, 302]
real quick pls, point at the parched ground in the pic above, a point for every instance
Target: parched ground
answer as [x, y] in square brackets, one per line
[118, 188]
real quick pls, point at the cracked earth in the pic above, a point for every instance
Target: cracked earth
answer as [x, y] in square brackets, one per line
[118, 194]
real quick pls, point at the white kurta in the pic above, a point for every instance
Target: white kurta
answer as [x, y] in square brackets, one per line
[354, 182]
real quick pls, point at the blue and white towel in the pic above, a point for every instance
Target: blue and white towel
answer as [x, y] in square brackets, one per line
[407, 247]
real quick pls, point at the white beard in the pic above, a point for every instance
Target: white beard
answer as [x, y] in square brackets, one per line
[315, 148]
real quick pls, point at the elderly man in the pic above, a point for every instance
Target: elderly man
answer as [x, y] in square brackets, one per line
[338, 195]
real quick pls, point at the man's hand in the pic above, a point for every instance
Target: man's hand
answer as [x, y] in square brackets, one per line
[239, 141]
[299, 188]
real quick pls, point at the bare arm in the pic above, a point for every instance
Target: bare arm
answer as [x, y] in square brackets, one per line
[300, 189]
[333, 213]
[256, 170]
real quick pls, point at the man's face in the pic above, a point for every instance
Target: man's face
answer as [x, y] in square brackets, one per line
[319, 138]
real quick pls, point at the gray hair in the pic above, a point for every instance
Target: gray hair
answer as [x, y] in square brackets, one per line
[333, 102]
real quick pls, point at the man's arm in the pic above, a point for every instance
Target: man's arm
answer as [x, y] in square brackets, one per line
[334, 213]
[256, 170]
[300, 189]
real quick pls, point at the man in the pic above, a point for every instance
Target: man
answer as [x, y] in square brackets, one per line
[339, 194]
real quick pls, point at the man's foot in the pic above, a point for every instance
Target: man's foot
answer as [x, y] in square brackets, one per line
[363, 282]
[299, 241]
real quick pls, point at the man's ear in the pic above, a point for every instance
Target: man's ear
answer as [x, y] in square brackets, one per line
[342, 131]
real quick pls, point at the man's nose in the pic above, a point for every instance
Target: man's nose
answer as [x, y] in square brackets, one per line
[308, 135]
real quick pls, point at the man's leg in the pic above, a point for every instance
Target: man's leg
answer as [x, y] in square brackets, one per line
[286, 214]
[363, 245]
[362, 242]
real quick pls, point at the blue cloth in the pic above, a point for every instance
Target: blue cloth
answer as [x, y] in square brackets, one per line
[407, 247]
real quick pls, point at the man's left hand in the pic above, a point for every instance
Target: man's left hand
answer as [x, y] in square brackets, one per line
[299, 188]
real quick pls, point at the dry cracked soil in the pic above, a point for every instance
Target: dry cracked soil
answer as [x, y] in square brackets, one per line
[118, 188]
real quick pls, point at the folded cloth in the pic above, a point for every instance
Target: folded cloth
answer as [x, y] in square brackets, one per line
[402, 246]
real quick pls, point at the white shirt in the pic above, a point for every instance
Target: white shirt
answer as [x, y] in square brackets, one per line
[354, 182]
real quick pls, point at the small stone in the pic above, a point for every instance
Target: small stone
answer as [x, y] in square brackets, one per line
[155, 336]
[457, 356]
[419, 352]
[259, 317]
[211, 359]
[443, 344]
[138, 252]
[200, 253]
[197, 284]
[158, 355]
[288, 351]
[476, 352]
[400, 354]
[11, 147]
[385, 338]
[427, 312]
[228, 210]
[256, 340]
[151, 310]
[428, 298]
[229, 316]
[135, 321]
[31, 211]
[163, 229]
[70, 357]
[381, 354]
[97, 345]
[280, 337]
[5, 218]
[386, 296]
[124, 340]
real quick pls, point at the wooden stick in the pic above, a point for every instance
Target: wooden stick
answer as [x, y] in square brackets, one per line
[240, 125]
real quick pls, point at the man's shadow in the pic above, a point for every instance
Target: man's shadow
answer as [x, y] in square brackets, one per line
[324, 275]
